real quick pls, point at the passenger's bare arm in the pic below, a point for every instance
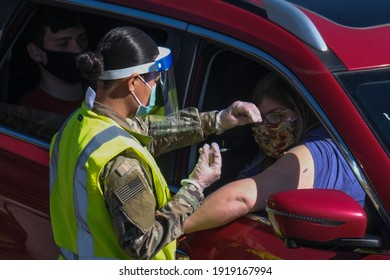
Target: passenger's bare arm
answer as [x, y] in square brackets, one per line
[292, 171]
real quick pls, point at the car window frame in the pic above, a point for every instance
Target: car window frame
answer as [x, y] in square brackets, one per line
[274, 64]
[7, 9]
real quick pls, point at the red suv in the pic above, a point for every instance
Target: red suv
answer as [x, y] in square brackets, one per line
[334, 53]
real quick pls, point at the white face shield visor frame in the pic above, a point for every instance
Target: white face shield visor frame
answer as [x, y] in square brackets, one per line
[166, 102]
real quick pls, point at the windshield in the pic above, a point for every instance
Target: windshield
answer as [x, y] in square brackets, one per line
[370, 90]
[353, 13]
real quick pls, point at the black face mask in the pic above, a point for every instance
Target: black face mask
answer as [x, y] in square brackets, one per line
[63, 65]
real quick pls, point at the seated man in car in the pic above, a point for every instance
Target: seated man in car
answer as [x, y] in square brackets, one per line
[56, 38]
[296, 153]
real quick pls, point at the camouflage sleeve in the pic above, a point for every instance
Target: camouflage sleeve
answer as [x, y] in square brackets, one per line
[174, 132]
[142, 229]
[209, 122]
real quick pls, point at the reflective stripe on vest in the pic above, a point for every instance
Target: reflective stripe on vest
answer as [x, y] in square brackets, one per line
[77, 184]
[84, 237]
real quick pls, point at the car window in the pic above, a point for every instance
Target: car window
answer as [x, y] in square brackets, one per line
[6, 10]
[230, 77]
[370, 91]
[357, 17]
[21, 75]
[374, 100]
[31, 122]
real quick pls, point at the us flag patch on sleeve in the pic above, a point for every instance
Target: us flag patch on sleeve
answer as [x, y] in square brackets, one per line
[129, 191]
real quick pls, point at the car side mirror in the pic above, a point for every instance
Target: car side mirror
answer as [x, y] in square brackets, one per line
[319, 217]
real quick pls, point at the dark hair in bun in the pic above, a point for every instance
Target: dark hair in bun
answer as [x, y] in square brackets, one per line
[121, 47]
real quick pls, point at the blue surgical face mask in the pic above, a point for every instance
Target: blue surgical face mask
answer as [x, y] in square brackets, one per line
[143, 110]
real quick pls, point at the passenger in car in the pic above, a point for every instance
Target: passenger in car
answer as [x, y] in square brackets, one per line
[108, 197]
[296, 152]
[56, 37]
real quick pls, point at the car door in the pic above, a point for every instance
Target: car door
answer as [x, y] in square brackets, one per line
[25, 230]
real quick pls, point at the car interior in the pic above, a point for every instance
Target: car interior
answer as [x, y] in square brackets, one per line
[232, 77]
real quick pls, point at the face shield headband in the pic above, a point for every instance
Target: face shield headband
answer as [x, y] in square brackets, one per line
[161, 63]
[166, 104]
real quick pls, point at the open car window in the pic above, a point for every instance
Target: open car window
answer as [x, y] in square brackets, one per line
[20, 75]
[31, 122]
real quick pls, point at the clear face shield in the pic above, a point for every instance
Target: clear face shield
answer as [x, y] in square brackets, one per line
[166, 96]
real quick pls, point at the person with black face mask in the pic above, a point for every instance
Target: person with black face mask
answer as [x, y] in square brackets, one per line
[57, 37]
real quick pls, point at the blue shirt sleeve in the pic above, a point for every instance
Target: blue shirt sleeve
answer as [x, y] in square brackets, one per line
[331, 170]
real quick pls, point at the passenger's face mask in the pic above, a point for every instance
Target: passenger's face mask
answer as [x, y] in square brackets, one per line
[275, 139]
[63, 66]
[143, 110]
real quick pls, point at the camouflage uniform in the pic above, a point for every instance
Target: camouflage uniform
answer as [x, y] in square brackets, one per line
[142, 229]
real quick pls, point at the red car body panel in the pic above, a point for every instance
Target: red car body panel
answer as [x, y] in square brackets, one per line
[357, 48]
[25, 230]
[21, 215]
[260, 240]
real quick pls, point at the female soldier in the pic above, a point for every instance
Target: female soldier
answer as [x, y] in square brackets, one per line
[108, 197]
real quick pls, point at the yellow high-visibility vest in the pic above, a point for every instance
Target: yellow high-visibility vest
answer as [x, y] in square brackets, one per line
[81, 222]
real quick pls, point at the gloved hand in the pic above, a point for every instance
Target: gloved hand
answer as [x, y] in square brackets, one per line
[208, 168]
[239, 113]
